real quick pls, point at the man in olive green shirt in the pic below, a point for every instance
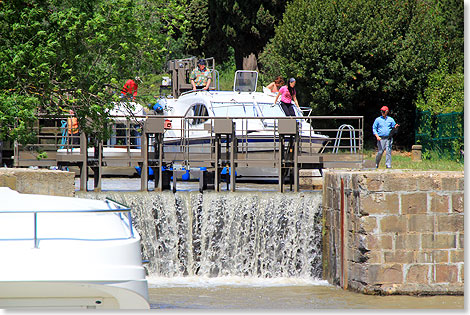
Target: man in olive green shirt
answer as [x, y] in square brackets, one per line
[201, 76]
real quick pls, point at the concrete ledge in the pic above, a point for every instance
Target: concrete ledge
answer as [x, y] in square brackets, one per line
[42, 182]
[310, 179]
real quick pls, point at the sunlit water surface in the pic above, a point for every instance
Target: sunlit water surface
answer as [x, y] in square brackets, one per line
[235, 293]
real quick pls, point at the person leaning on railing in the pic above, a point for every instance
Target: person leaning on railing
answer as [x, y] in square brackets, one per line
[72, 128]
[288, 94]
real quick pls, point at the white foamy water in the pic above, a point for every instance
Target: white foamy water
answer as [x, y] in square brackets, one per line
[231, 281]
[251, 235]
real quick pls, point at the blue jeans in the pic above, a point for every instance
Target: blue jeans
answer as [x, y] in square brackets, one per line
[384, 144]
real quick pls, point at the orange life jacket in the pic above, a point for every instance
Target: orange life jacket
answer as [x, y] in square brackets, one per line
[72, 123]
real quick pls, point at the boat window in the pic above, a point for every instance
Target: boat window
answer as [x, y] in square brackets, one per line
[234, 109]
[268, 110]
[245, 81]
[197, 110]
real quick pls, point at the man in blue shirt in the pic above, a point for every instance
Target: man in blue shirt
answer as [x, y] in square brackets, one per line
[382, 127]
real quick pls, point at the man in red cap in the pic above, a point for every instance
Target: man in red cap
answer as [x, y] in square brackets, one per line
[381, 128]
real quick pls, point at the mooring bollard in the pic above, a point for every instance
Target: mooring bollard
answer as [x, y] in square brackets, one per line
[416, 151]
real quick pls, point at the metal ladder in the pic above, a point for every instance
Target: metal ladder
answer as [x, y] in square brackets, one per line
[352, 138]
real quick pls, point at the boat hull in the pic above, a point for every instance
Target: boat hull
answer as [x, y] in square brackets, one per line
[72, 295]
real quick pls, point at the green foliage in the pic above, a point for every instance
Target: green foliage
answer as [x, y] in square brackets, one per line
[13, 106]
[352, 57]
[444, 93]
[442, 134]
[72, 54]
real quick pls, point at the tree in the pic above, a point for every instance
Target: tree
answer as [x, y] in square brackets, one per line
[76, 54]
[246, 26]
[352, 57]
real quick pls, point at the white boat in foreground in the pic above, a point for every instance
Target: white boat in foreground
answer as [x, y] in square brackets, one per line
[64, 252]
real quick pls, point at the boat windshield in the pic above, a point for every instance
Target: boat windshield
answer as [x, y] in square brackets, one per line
[234, 109]
[268, 110]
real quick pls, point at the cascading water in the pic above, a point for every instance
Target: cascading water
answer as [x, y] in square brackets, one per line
[244, 234]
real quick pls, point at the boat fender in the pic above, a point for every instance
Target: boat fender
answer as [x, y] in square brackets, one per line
[139, 170]
[186, 175]
[224, 171]
[158, 108]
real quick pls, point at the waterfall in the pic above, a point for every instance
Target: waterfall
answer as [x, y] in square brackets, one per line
[214, 234]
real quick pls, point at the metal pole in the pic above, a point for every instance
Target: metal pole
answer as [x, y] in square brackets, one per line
[296, 165]
[84, 165]
[281, 175]
[232, 159]
[36, 242]
[217, 157]
[144, 180]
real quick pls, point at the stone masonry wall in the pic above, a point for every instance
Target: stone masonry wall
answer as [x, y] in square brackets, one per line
[43, 182]
[403, 231]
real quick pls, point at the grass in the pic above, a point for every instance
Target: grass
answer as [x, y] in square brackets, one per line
[402, 160]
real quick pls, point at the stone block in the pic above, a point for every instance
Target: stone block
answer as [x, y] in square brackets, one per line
[385, 273]
[429, 182]
[386, 242]
[451, 182]
[408, 241]
[461, 238]
[414, 203]
[374, 181]
[8, 180]
[396, 182]
[416, 152]
[45, 182]
[439, 203]
[418, 274]
[461, 272]
[421, 223]
[399, 256]
[369, 223]
[374, 257]
[450, 223]
[445, 273]
[371, 242]
[440, 256]
[438, 241]
[380, 203]
[393, 223]
[457, 256]
[457, 202]
[432, 256]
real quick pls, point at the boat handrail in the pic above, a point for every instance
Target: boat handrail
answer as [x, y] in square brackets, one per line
[194, 91]
[118, 210]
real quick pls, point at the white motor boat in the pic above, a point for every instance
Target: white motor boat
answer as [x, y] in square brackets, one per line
[255, 115]
[190, 119]
[64, 252]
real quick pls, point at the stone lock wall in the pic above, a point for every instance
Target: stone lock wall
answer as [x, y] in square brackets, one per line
[394, 232]
[42, 182]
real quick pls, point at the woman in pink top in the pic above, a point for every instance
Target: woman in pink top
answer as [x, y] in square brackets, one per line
[287, 94]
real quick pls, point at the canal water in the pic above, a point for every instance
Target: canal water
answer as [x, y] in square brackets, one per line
[232, 293]
[252, 250]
